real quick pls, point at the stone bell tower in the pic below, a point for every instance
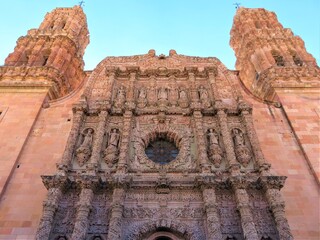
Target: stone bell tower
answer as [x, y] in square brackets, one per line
[268, 55]
[275, 67]
[46, 64]
[54, 51]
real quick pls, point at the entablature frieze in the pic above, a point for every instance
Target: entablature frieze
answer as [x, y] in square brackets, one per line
[170, 183]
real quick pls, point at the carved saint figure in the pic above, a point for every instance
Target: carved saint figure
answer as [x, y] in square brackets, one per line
[242, 151]
[120, 98]
[83, 152]
[112, 151]
[162, 94]
[142, 98]
[215, 153]
[204, 96]
[183, 99]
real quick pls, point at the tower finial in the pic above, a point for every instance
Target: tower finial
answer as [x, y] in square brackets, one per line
[81, 3]
[237, 5]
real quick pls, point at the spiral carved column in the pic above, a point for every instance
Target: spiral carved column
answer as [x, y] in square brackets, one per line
[50, 206]
[84, 207]
[213, 219]
[115, 223]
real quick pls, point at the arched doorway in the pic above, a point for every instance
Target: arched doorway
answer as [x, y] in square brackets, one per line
[164, 235]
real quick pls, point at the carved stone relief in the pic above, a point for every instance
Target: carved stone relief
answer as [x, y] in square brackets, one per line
[65, 216]
[180, 136]
[230, 218]
[264, 222]
[99, 215]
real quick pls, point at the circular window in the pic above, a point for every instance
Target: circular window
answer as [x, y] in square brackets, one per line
[161, 150]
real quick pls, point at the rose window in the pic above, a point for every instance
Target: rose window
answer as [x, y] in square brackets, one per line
[161, 150]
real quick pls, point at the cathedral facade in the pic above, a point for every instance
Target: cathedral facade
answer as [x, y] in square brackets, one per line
[152, 147]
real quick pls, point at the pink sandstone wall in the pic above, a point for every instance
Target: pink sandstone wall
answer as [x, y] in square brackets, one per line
[302, 108]
[281, 149]
[20, 208]
[19, 112]
[21, 205]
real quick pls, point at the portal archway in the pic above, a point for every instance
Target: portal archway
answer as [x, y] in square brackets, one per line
[164, 235]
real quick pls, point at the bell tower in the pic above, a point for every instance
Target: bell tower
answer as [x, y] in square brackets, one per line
[267, 53]
[54, 51]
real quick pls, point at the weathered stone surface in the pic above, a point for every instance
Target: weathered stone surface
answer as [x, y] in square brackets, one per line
[159, 146]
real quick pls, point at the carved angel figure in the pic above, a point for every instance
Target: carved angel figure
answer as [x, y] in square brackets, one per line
[243, 153]
[83, 152]
[204, 96]
[120, 98]
[112, 151]
[215, 153]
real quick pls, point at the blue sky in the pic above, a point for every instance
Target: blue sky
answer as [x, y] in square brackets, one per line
[129, 27]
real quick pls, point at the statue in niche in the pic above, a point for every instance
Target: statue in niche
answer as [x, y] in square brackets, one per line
[242, 152]
[142, 98]
[204, 96]
[163, 96]
[83, 152]
[215, 153]
[120, 98]
[183, 99]
[111, 152]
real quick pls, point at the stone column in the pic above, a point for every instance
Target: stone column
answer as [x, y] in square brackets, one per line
[78, 115]
[201, 143]
[114, 232]
[97, 145]
[272, 186]
[213, 219]
[124, 147]
[50, 206]
[83, 210]
[232, 162]
[248, 122]
[247, 222]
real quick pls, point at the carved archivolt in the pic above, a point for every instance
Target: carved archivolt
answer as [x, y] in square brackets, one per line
[179, 136]
[141, 230]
